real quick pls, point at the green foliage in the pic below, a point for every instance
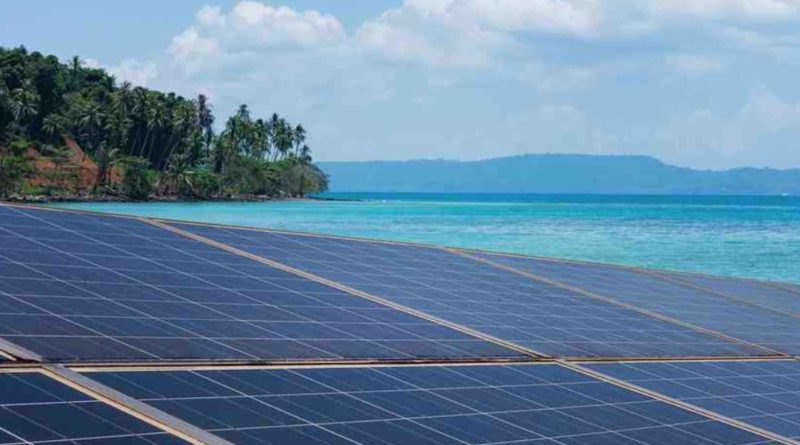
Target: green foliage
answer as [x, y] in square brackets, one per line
[248, 176]
[297, 178]
[42, 99]
[138, 179]
[14, 169]
[205, 184]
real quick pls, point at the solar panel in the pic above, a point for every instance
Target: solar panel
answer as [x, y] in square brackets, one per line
[536, 315]
[82, 287]
[774, 330]
[35, 409]
[772, 296]
[490, 404]
[762, 393]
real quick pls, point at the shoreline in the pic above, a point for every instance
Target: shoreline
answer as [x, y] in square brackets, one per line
[34, 199]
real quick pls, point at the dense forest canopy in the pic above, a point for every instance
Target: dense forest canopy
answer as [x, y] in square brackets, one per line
[142, 141]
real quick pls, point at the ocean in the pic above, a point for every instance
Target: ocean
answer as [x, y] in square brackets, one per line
[747, 236]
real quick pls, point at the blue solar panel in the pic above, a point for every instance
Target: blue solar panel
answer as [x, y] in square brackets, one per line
[762, 393]
[35, 409]
[777, 331]
[538, 316]
[82, 287]
[774, 296]
[490, 404]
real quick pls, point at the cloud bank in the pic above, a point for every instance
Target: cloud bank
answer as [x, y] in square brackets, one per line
[705, 83]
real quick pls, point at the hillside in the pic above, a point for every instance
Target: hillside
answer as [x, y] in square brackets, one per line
[71, 131]
[550, 173]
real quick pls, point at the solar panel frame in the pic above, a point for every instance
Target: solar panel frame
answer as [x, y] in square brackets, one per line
[763, 393]
[157, 249]
[422, 281]
[513, 403]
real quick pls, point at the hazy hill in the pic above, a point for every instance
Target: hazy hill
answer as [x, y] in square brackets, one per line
[550, 173]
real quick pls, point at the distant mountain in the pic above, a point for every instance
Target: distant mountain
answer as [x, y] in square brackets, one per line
[552, 173]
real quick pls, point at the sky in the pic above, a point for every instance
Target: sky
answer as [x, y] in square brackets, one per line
[708, 84]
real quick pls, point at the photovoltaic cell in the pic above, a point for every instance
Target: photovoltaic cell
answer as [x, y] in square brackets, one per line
[82, 287]
[35, 409]
[490, 404]
[533, 314]
[762, 393]
[777, 331]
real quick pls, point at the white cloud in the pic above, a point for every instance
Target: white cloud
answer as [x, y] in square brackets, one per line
[92, 63]
[617, 71]
[550, 78]
[723, 9]
[758, 133]
[459, 33]
[192, 50]
[136, 72]
[412, 35]
[769, 112]
[694, 65]
[472, 32]
[218, 37]
[568, 16]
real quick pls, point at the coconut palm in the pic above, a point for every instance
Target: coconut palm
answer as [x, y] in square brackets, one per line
[206, 121]
[54, 125]
[24, 103]
[299, 138]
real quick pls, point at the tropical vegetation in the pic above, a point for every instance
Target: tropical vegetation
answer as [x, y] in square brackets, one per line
[141, 142]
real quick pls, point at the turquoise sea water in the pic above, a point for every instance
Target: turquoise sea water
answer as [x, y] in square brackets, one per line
[755, 237]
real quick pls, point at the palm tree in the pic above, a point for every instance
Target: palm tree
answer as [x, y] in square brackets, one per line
[299, 134]
[92, 120]
[283, 138]
[156, 117]
[140, 102]
[305, 154]
[177, 177]
[54, 125]
[184, 120]
[261, 141]
[24, 104]
[75, 73]
[206, 121]
[4, 105]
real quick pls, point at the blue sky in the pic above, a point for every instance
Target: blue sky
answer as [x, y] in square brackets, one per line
[701, 83]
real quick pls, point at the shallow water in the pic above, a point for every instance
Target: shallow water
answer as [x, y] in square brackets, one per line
[755, 237]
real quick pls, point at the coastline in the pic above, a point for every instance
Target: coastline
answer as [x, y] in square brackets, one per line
[36, 199]
[42, 199]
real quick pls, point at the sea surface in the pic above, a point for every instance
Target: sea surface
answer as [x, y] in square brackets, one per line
[748, 236]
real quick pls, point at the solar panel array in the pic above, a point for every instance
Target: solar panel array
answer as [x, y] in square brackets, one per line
[119, 330]
[776, 297]
[761, 393]
[35, 409]
[531, 404]
[539, 316]
[719, 312]
[79, 287]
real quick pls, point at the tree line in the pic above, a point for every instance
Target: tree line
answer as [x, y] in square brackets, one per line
[164, 144]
